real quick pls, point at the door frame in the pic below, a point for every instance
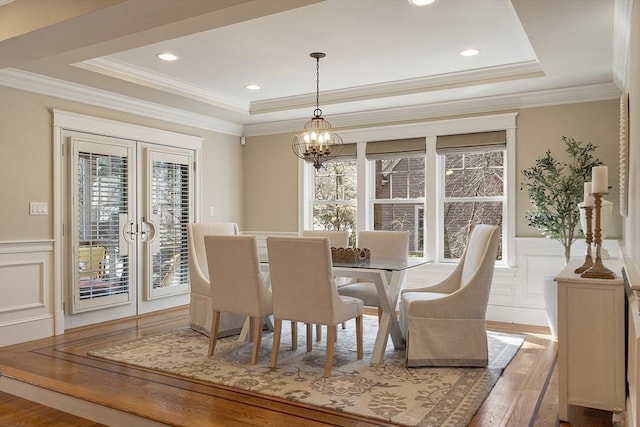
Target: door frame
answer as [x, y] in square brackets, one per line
[68, 121]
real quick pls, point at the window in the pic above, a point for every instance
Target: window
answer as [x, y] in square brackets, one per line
[472, 187]
[473, 193]
[435, 179]
[398, 187]
[398, 202]
[334, 203]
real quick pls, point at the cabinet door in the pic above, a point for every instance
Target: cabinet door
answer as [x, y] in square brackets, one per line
[590, 344]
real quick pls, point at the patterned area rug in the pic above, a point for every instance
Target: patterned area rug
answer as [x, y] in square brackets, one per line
[388, 392]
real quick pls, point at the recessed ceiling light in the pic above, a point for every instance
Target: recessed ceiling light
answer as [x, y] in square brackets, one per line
[166, 56]
[252, 87]
[469, 52]
[421, 2]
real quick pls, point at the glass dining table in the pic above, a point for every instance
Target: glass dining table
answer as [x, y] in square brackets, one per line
[388, 275]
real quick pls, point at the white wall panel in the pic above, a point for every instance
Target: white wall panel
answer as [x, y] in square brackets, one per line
[26, 291]
[26, 286]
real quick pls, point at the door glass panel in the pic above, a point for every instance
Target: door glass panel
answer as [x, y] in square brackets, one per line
[170, 202]
[101, 260]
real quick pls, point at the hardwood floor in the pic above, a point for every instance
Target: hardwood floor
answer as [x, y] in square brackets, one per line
[55, 371]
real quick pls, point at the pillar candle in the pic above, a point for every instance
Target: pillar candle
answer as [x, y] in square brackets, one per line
[600, 179]
[588, 198]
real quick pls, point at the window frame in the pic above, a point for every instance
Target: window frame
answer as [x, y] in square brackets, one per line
[442, 198]
[429, 130]
[372, 201]
[312, 202]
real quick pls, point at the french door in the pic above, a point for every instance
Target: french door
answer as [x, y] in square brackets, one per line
[128, 208]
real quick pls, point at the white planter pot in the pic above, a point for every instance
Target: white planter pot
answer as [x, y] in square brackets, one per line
[550, 293]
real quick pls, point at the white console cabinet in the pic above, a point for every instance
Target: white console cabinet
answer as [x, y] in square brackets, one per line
[591, 358]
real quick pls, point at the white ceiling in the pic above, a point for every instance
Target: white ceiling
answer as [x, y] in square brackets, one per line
[383, 56]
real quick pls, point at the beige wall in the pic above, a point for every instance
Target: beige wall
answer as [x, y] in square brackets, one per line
[254, 185]
[539, 129]
[271, 192]
[26, 171]
[270, 184]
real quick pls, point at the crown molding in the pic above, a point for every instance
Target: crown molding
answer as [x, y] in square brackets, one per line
[57, 88]
[121, 71]
[576, 94]
[516, 71]
[37, 83]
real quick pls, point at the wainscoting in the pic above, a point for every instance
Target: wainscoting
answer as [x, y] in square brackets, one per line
[516, 292]
[26, 291]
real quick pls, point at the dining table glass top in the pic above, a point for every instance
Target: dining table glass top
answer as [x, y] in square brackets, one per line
[387, 264]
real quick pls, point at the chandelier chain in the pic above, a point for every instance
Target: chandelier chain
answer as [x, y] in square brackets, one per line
[318, 111]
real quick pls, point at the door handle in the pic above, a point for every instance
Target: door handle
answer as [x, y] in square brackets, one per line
[149, 233]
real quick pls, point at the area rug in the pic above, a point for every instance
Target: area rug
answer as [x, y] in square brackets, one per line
[388, 392]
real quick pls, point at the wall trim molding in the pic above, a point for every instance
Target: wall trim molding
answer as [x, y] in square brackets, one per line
[515, 101]
[22, 246]
[48, 86]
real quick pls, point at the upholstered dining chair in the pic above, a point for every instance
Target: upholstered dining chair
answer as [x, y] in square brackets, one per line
[200, 309]
[444, 324]
[237, 285]
[337, 239]
[383, 245]
[304, 291]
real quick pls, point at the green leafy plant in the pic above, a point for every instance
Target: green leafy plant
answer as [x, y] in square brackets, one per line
[555, 188]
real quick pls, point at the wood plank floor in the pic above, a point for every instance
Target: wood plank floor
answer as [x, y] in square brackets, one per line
[525, 395]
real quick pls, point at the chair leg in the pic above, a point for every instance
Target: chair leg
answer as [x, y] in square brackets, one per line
[328, 358]
[294, 335]
[215, 318]
[318, 332]
[257, 338]
[359, 336]
[309, 336]
[252, 330]
[275, 346]
[379, 314]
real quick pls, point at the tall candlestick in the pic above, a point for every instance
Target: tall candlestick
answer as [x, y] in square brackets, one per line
[588, 198]
[600, 179]
[598, 270]
[588, 261]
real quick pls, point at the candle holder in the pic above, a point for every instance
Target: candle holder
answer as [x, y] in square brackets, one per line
[598, 270]
[588, 261]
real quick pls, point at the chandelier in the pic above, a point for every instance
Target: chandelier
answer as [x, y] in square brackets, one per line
[317, 143]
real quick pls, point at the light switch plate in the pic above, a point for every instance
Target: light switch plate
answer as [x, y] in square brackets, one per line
[38, 208]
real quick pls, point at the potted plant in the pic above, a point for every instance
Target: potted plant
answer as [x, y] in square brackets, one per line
[555, 189]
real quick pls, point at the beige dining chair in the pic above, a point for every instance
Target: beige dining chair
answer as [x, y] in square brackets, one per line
[200, 308]
[304, 291]
[237, 285]
[384, 245]
[444, 324]
[337, 239]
